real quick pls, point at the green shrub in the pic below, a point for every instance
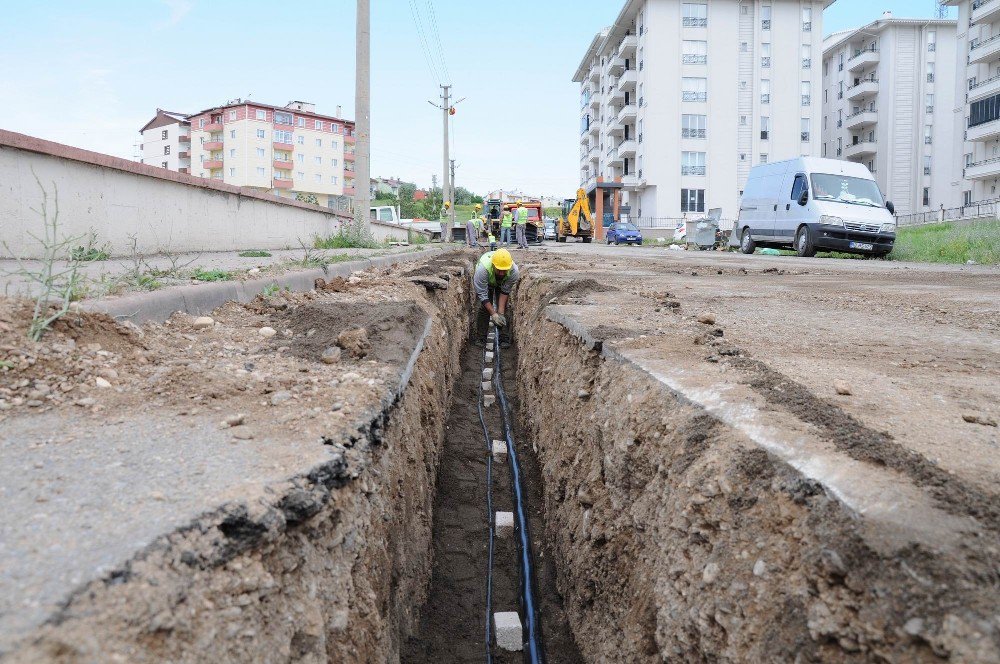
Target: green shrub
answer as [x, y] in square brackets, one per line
[211, 275]
[958, 242]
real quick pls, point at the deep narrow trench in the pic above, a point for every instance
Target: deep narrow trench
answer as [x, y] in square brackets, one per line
[452, 621]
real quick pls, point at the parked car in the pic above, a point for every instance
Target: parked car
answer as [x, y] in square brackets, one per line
[550, 229]
[811, 203]
[623, 233]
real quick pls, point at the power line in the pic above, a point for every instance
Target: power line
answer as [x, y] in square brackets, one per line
[437, 36]
[425, 49]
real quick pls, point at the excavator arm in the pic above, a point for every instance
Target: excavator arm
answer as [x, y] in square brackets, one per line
[579, 217]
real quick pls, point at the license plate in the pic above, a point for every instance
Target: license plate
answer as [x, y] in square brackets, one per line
[864, 246]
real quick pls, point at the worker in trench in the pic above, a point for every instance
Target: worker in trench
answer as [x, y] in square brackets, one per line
[495, 276]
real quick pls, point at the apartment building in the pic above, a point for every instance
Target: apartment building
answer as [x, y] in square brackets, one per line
[678, 100]
[166, 141]
[977, 91]
[888, 102]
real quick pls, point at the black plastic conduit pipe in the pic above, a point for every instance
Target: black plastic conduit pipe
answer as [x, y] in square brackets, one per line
[533, 653]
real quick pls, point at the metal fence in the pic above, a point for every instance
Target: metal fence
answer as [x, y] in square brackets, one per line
[981, 210]
[673, 222]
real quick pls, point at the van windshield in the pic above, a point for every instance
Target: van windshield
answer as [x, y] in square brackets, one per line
[845, 189]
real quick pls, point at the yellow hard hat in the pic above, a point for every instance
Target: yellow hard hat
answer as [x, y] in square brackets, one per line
[502, 259]
[447, 204]
[479, 206]
[519, 202]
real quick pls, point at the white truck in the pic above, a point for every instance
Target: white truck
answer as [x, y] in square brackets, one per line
[812, 204]
[390, 215]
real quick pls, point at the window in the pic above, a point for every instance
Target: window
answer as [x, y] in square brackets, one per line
[693, 126]
[318, 124]
[694, 89]
[968, 159]
[335, 128]
[301, 158]
[163, 135]
[261, 114]
[692, 163]
[743, 121]
[164, 164]
[826, 69]
[930, 72]
[232, 115]
[232, 152]
[319, 160]
[283, 136]
[765, 91]
[261, 133]
[695, 52]
[804, 130]
[824, 121]
[166, 149]
[840, 145]
[333, 162]
[823, 153]
[763, 158]
[840, 118]
[840, 63]
[806, 93]
[932, 40]
[232, 133]
[319, 178]
[927, 196]
[232, 172]
[798, 186]
[765, 54]
[983, 111]
[692, 200]
[695, 14]
[928, 133]
[765, 17]
[260, 171]
[282, 118]
[319, 142]
[333, 179]
[807, 62]
[744, 47]
[966, 198]
[302, 140]
[201, 123]
[765, 127]
[929, 103]
[301, 122]
[840, 90]
[260, 152]
[927, 165]
[335, 145]
[300, 175]
[807, 17]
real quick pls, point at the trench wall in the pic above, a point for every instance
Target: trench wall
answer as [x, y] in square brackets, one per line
[331, 565]
[678, 539]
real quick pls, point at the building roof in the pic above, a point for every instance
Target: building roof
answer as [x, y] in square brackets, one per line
[271, 106]
[164, 118]
[836, 39]
[584, 67]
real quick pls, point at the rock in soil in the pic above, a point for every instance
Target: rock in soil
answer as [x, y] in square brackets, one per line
[976, 418]
[355, 342]
[331, 355]
[234, 420]
[843, 387]
[706, 318]
[267, 332]
[203, 322]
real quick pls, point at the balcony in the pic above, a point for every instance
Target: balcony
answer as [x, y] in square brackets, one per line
[212, 164]
[595, 129]
[595, 101]
[628, 80]
[614, 159]
[213, 126]
[631, 181]
[349, 156]
[595, 75]
[183, 155]
[628, 147]
[282, 165]
[984, 131]
[862, 59]
[628, 46]
[349, 191]
[984, 89]
[980, 170]
[283, 147]
[350, 140]
[864, 88]
[859, 149]
[627, 114]
[861, 119]
[184, 138]
[212, 146]
[615, 128]
[594, 155]
[281, 183]
[616, 66]
[984, 51]
[184, 169]
[616, 95]
[983, 11]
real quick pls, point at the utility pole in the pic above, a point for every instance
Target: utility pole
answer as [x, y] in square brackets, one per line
[362, 120]
[446, 185]
[434, 185]
[452, 162]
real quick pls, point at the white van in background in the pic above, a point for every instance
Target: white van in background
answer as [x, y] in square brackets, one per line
[814, 204]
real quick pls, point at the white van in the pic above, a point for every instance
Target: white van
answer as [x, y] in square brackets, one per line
[810, 204]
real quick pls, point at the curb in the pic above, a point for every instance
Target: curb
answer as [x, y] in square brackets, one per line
[201, 299]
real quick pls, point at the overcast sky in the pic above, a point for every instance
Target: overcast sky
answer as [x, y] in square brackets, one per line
[90, 74]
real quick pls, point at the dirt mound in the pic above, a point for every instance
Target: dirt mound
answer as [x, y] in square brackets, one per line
[576, 291]
[390, 329]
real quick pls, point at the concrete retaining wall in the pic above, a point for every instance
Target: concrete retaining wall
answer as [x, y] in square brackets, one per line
[164, 210]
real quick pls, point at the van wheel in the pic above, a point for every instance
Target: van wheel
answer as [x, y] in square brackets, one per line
[804, 242]
[747, 245]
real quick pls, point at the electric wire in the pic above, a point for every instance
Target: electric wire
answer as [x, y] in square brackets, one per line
[421, 38]
[534, 652]
[437, 36]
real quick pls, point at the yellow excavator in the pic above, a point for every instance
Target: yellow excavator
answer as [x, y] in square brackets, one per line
[576, 220]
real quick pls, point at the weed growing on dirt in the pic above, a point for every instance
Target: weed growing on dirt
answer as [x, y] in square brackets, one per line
[255, 253]
[351, 235]
[270, 290]
[91, 251]
[977, 241]
[211, 275]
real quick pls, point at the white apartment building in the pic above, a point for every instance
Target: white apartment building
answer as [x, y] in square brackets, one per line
[978, 99]
[888, 102]
[678, 100]
[166, 141]
[289, 151]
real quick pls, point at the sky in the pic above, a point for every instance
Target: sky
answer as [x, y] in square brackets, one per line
[90, 74]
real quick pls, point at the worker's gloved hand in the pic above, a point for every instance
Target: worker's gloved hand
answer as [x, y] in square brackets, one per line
[499, 320]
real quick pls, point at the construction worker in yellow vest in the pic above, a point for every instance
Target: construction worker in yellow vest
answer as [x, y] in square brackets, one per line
[521, 218]
[506, 226]
[472, 228]
[494, 278]
[445, 221]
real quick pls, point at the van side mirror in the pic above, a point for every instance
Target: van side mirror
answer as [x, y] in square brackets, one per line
[804, 197]
[890, 207]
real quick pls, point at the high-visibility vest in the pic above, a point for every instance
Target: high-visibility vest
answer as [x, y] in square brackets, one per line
[486, 261]
[522, 216]
[508, 220]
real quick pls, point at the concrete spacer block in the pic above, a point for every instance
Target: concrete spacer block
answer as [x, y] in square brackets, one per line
[489, 356]
[504, 524]
[499, 451]
[507, 627]
[488, 400]
[487, 386]
[487, 374]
